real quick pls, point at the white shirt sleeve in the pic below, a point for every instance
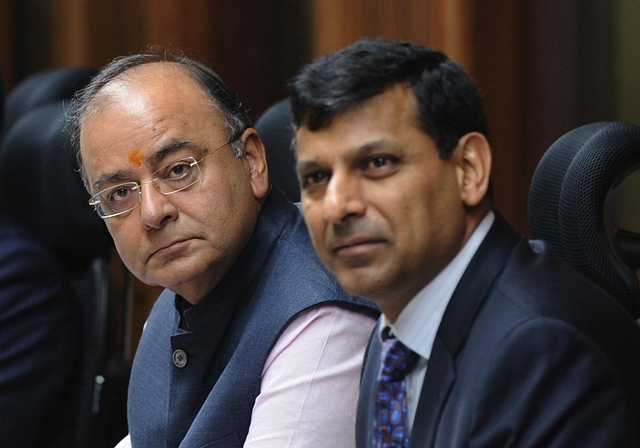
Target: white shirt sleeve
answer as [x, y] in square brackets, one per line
[124, 443]
[310, 382]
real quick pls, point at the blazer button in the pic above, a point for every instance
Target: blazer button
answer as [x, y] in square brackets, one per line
[179, 358]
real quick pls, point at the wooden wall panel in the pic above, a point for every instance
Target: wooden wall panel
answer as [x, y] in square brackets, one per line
[255, 45]
[7, 43]
[450, 29]
[70, 28]
[164, 22]
[497, 61]
[337, 23]
[442, 24]
[484, 36]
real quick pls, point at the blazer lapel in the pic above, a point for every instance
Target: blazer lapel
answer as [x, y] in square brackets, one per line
[368, 385]
[437, 383]
[466, 301]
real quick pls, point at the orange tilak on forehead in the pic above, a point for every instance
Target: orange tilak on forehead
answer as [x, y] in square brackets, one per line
[136, 158]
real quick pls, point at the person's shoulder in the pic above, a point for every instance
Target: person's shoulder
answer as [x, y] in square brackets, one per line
[294, 243]
[541, 284]
[548, 271]
[33, 284]
[296, 268]
[20, 249]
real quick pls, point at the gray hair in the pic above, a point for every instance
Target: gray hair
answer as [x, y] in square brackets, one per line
[222, 98]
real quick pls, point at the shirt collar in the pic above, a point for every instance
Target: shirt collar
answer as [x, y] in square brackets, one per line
[418, 322]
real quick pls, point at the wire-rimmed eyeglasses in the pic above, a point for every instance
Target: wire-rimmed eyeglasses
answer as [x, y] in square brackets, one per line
[171, 178]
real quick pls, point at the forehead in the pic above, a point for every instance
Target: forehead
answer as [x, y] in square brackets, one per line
[143, 111]
[389, 116]
[155, 97]
[156, 84]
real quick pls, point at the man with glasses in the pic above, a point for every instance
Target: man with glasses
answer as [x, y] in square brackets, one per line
[252, 343]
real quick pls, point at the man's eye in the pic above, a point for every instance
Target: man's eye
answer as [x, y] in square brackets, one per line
[316, 178]
[177, 170]
[119, 194]
[379, 161]
[379, 166]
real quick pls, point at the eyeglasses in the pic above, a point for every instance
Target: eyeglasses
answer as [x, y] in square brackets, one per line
[171, 178]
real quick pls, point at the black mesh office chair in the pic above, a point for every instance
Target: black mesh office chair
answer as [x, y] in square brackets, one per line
[569, 205]
[53, 85]
[36, 157]
[276, 130]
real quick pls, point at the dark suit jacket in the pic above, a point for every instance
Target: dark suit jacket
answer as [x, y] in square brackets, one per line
[529, 353]
[38, 344]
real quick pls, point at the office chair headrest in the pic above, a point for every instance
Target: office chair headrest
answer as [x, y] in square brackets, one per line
[275, 128]
[48, 86]
[567, 203]
[40, 188]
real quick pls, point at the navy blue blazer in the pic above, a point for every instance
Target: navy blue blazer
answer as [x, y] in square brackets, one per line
[529, 353]
[38, 344]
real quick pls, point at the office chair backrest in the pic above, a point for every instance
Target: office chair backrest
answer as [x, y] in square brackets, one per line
[40, 187]
[275, 127]
[569, 191]
[53, 85]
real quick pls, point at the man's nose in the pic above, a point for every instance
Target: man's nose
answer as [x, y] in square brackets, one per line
[343, 197]
[156, 209]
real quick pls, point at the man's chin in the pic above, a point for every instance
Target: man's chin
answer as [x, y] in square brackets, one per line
[164, 277]
[360, 282]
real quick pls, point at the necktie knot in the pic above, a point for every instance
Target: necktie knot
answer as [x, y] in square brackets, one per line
[397, 360]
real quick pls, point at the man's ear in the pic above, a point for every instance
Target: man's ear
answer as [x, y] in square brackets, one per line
[255, 157]
[474, 167]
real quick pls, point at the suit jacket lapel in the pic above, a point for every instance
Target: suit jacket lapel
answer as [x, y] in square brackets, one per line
[467, 299]
[364, 428]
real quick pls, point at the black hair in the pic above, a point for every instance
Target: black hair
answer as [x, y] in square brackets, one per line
[449, 102]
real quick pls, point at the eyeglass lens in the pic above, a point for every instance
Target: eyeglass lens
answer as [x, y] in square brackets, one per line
[171, 178]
